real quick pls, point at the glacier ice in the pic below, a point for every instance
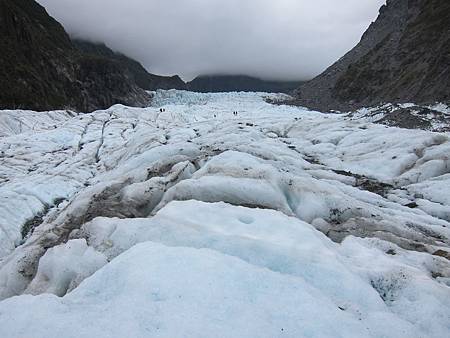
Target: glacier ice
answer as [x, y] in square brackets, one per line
[277, 222]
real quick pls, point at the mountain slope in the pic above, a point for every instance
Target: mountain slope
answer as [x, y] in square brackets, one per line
[143, 78]
[236, 83]
[42, 70]
[404, 56]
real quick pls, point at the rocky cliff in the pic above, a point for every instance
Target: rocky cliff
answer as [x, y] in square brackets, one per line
[404, 56]
[42, 69]
[140, 75]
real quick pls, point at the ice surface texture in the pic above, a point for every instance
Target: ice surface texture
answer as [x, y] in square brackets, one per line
[195, 222]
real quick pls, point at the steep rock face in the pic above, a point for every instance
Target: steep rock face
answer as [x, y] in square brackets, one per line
[233, 83]
[105, 82]
[42, 70]
[404, 56]
[143, 78]
[37, 58]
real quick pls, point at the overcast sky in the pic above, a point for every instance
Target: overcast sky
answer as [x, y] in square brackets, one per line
[283, 39]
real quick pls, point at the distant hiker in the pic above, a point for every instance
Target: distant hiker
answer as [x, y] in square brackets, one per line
[160, 110]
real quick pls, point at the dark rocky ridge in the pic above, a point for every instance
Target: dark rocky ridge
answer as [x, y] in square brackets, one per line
[140, 75]
[404, 56]
[233, 83]
[42, 69]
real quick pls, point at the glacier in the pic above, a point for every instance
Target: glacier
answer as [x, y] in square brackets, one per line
[277, 222]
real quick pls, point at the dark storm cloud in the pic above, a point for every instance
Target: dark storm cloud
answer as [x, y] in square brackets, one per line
[286, 39]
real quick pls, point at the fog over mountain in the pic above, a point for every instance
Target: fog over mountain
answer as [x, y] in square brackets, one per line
[284, 39]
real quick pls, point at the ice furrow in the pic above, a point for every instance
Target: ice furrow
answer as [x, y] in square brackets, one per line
[320, 202]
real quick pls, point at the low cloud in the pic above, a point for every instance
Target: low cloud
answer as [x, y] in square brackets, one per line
[282, 39]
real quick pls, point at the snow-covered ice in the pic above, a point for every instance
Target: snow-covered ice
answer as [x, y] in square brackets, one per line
[278, 222]
[63, 267]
